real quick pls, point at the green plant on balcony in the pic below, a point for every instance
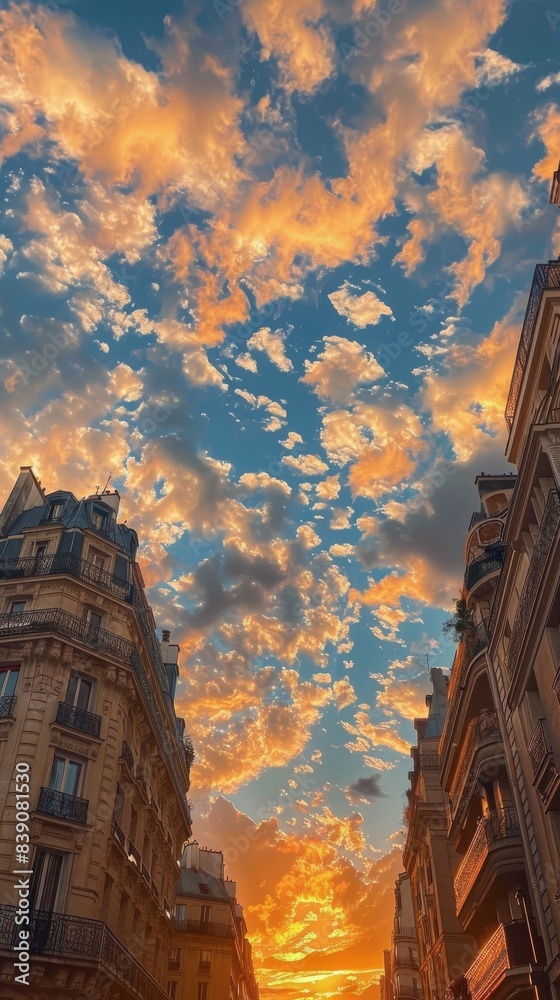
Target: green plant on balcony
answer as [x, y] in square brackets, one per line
[460, 623]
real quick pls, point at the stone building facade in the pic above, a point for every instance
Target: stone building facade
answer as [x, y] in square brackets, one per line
[211, 957]
[91, 747]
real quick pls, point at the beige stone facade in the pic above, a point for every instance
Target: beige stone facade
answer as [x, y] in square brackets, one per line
[86, 714]
[211, 958]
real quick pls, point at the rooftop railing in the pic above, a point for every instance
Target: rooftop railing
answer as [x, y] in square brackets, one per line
[546, 276]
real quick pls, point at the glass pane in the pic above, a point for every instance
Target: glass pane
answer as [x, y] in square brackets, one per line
[72, 688]
[57, 773]
[71, 778]
[94, 619]
[8, 681]
[84, 694]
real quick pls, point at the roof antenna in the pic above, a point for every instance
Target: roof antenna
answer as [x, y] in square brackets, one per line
[96, 490]
[104, 490]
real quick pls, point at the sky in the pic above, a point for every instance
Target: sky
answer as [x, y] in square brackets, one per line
[264, 264]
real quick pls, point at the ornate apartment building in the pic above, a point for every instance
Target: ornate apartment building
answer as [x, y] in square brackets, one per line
[401, 979]
[211, 957]
[483, 842]
[94, 763]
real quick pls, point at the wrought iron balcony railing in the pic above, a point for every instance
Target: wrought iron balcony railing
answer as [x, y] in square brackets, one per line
[470, 646]
[490, 562]
[7, 705]
[408, 990]
[537, 747]
[55, 620]
[547, 531]
[65, 936]
[64, 562]
[208, 927]
[482, 731]
[78, 718]
[545, 276]
[126, 754]
[508, 948]
[63, 806]
[499, 826]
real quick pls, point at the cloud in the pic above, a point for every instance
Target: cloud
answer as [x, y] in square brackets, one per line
[404, 688]
[361, 310]
[272, 344]
[305, 465]
[495, 68]
[293, 34]
[343, 366]
[344, 693]
[365, 790]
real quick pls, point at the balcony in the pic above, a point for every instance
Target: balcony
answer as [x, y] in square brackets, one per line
[495, 831]
[207, 927]
[408, 990]
[84, 941]
[547, 531]
[477, 516]
[64, 563]
[7, 705]
[545, 276]
[506, 953]
[482, 731]
[77, 718]
[471, 645]
[62, 806]
[62, 622]
[546, 778]
[126, 754]
[119, 835]
[483, 566]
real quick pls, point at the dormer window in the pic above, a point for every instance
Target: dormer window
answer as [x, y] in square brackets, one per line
[100, 518]
[55, 511]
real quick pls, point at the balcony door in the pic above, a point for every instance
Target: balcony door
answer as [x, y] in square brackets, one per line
[65, 776]
[79, 692]
[44, 900]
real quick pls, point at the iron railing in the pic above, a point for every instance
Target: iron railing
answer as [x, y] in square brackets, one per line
[65, 936]
[7, 705]
[55, 620]
[481, 567]
[547, 531]
[78, 718]
[545, 276]
[481, 731]
[208, 927]
[537, 747]
[126, 754]
[64, 562]
[477, 516]
[63, 806]
[471, 645]
[499, 825]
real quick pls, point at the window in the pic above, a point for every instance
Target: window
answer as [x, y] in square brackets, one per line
[65, 775]
[79, 692]
[172, 990]
[202, 991]
[205, 914]
[40, 549]
[16, 607]
[55, 511]
[97, 558]
[8, 680]
[99, 519]
[180, 911]
[174, 958]
[204, 962]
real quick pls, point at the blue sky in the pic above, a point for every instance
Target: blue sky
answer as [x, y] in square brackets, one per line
[266, 265]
